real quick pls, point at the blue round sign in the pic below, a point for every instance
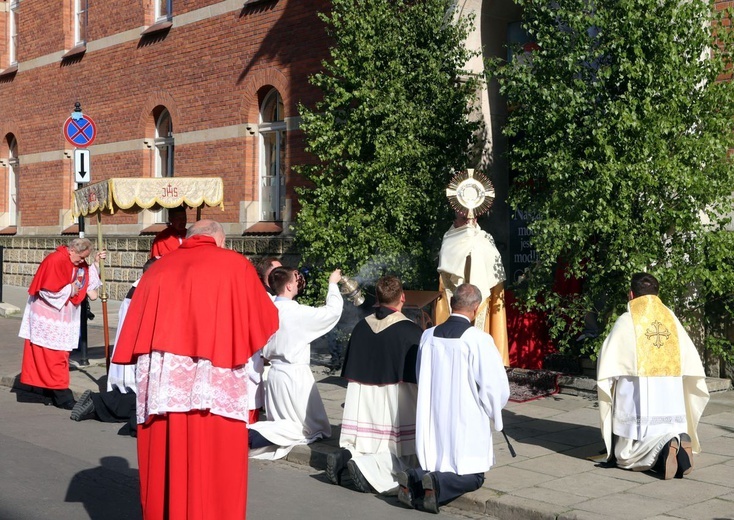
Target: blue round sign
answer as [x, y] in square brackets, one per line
[80, 132]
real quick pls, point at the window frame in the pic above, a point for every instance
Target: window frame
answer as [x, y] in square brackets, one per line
[13, 32]
[81, 19]
[268, 129]
[13, 167]
[159, 16]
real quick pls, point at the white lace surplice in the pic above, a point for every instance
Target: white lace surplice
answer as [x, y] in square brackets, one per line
[50, 320]
[171, 383]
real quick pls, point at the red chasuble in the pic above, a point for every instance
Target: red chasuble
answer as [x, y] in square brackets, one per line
[200, 301]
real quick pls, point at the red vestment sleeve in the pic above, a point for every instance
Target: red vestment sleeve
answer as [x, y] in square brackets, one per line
[200, 301]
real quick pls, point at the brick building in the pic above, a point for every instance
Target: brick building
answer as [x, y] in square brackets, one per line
[176, 88]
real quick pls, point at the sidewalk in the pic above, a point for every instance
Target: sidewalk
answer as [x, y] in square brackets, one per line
[550, 479]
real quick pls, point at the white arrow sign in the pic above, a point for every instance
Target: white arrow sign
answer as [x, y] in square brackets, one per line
[82, 166]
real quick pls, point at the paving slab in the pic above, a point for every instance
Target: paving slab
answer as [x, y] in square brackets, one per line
[627, 506]
[716, 509]
[588, 485]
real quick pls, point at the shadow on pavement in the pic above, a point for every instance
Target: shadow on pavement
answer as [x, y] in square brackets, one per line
[109, 491]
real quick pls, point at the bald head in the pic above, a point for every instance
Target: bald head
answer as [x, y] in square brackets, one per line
[209, 228]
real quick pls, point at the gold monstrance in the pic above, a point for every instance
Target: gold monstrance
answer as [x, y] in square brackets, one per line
[470, 193]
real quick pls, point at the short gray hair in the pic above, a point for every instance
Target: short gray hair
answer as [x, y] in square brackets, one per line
[79, 245]
[466, 297]
[205, 227]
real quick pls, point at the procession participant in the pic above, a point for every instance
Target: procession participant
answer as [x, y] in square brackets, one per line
[378, 425]
[468, 255]
[198, 315]
[462, 388]
[295, 411]
[52, 315]
[117, 404]
[173, 236]
[651, 385]
[255, 392]
[264, 267]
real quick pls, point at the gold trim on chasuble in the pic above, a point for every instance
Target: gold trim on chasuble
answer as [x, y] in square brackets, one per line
[658, 349]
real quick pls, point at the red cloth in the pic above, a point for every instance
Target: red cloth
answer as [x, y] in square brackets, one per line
[200, 301]
[528, 337]
[193, 466]
[44, 368]
[254, 416]
[166, 241]
[55, 273]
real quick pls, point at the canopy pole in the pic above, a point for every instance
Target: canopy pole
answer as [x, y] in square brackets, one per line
[198, 213]
[103, 294]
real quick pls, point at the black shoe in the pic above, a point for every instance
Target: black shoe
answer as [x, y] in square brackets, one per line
[336, 463]
[685, 456]
[66, 405]
[84, 407]
[406, 485]
[358, 479]
[430, 493]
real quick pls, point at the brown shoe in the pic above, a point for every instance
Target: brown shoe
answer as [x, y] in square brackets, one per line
[669, 455]
[685, 456]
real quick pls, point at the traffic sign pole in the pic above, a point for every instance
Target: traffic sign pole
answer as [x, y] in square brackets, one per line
[80, 131]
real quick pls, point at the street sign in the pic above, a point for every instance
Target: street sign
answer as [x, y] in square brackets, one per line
[80, 132]
[82, 170]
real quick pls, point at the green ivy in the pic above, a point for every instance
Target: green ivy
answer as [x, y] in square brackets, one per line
[391, 127]
[620, 131]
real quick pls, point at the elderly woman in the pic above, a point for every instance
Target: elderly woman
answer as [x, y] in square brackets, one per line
[51, 319]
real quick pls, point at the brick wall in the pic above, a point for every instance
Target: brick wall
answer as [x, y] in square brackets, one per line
[209, 71]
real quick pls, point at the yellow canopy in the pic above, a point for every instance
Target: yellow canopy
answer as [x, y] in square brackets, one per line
[143, 193]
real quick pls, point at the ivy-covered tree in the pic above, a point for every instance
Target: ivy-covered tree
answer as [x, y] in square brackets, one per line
[620, 130]
[391, 127]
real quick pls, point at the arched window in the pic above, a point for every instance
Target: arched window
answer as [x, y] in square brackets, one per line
[13, 167]
[162, 152]
[164, 144]
[272, 157]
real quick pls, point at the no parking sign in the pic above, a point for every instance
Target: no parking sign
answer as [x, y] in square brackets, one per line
[80, 132]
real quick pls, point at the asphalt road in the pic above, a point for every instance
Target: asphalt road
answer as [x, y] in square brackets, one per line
[55, 468]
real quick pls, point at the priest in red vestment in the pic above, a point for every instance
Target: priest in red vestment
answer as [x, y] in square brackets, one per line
[198, 315]
[170, 238]
[51, 318]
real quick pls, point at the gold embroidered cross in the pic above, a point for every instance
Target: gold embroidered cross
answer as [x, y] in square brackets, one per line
[658, 333]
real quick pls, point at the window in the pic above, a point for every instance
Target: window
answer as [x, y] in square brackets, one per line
[272, 157]
[164, 145]
[13, 32]
[163, 10]
[13, 165]
[80, 22]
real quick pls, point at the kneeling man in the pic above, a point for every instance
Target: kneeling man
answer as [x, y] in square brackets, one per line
[462, 388]
[651, 386]
[378, 426]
